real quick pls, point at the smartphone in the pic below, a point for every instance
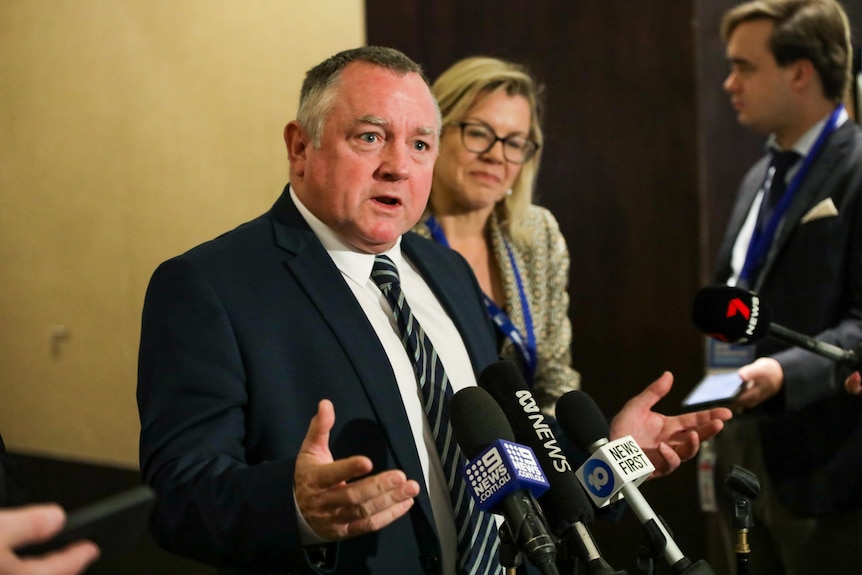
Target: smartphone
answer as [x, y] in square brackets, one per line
[714, 390]
[114, 523]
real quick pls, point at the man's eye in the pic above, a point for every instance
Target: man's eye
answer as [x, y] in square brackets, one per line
[421, 146]
[369, 138]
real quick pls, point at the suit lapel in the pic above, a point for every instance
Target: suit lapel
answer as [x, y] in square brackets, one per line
[313, 269]
[456, 298]
[812, 190]
[748, 191]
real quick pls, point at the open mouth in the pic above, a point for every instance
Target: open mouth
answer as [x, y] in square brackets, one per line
[387, 200]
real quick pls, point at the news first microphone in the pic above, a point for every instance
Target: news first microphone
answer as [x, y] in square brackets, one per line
[585, 424]
[738, 316]
[564, 503]
[611, 465]
[503, 477]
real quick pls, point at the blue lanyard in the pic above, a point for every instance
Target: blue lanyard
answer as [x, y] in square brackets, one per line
[526, 348]
[761, 240]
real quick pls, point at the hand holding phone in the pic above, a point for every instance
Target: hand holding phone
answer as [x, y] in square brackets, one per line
[114, 523]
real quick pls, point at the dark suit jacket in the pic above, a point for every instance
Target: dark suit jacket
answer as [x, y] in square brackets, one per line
[812, 280]
[241, 338]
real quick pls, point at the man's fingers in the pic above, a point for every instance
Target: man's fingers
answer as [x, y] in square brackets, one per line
[340, 471]
[31, 524]
[669, 461]
[362, 506]
[379, 520]
[69, 561]
[317, 437]
[651, 395]
[854, 383]
[704, 426]
[688, 447]
[705, 417]
[373, 496]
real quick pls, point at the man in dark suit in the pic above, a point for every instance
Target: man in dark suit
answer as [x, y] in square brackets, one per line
[248, 337]
[795, 237]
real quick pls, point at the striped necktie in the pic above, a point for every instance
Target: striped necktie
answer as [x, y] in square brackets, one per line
[476, 530]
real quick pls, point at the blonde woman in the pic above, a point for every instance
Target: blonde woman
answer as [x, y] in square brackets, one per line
[481, 205]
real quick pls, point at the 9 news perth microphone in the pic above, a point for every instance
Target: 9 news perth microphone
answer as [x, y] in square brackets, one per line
[585, 424]
[565, 504]
[502, 476]
[735, 315]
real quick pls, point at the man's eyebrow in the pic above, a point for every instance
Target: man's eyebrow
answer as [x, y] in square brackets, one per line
[378, 121]
[374, 120]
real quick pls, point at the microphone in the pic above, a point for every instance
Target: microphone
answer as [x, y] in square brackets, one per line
[585, 424]
[565, 504]
[735, 315]
[502, 475]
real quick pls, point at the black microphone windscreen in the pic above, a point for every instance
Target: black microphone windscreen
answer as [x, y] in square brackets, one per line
[731, 314]
[477, 421]
[581, 419]
[564, 502]
[503, 381]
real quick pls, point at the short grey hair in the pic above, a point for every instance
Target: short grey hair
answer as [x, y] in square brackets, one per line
[317, 94]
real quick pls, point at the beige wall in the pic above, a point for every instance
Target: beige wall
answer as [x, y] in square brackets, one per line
[130, 130]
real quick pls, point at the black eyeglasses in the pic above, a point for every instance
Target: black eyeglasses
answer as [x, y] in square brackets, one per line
[480, 138]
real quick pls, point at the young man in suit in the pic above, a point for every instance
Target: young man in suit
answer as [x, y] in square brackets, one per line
[795, 237]
[247, 338]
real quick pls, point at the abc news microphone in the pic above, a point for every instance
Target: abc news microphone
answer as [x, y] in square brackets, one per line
[616, 468]
[564, 503]
[503, 477]
[738, 316]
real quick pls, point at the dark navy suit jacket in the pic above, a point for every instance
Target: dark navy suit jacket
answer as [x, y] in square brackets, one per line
[241, 338]
[812, 280]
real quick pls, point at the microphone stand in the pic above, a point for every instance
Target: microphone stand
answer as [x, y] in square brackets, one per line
[572, 546]
[745, 487]
[510, 554]
[655, 544]
[651, 549]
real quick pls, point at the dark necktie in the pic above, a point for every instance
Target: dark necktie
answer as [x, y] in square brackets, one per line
[476, 530]
[776, 185]
[779, 165]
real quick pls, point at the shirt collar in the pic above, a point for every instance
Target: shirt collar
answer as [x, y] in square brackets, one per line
[804, 144]
[351, 262]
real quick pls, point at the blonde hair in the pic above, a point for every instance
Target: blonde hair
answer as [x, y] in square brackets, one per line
[456, 90]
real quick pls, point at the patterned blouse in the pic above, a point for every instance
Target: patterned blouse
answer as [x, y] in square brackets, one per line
[543, 262]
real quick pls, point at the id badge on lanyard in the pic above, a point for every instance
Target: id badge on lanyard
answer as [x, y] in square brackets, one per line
[524, 344]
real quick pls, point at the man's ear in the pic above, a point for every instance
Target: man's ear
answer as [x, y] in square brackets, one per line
[804, 74]
[297, 141]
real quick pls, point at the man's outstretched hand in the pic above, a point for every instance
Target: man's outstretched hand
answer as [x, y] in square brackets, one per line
[334, 508]
[667, 440]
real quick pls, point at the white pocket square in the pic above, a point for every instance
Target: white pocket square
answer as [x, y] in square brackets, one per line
[824, 209]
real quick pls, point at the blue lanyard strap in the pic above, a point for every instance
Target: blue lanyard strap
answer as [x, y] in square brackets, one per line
[761, 240]
[526, 347]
